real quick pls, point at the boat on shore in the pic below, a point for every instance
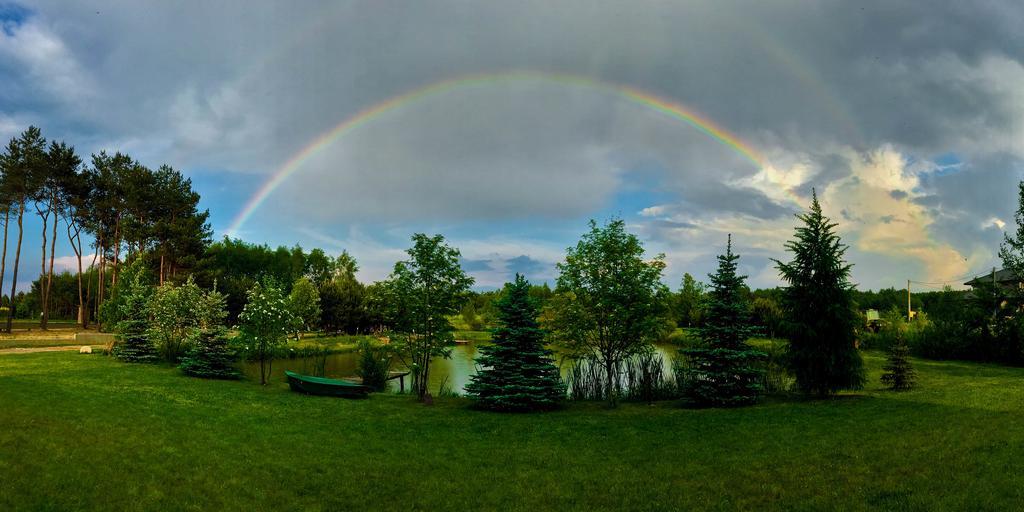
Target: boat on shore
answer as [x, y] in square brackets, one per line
[322, 386]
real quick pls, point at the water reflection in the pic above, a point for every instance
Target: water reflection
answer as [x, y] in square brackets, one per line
[453, 373]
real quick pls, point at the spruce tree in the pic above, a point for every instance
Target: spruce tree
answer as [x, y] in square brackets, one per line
[517, 371]
[725, 371]
[134, 345]
[819, 305]
[210, 355]
[899, 374]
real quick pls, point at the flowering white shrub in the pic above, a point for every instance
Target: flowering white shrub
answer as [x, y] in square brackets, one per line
[265, 322]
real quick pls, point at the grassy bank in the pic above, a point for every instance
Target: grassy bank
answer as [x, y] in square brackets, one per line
[332, 344]
[87, 432]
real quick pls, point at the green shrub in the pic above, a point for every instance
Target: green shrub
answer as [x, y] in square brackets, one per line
[374, 365]
[899, 374]
[210, 355]
[133, 343]
[948, 340]
[777, 378]
[684, 337]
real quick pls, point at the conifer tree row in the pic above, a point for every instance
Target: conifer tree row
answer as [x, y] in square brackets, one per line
[116, 202]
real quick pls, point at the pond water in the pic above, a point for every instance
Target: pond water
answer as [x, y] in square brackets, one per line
[453, 373]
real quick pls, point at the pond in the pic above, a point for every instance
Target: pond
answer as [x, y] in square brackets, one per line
[453, 373]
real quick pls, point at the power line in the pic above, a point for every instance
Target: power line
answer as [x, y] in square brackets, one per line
[954, 279]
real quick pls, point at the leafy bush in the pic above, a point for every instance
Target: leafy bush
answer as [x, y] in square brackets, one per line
[304, 303]
[374, 364]
[777, 378]
[264, 323]
[948, 340]
[177, 314]
[684, 337]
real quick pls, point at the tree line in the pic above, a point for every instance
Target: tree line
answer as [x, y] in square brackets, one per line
[112, 209]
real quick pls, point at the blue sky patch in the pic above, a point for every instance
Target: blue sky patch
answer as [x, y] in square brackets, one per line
[12, 16]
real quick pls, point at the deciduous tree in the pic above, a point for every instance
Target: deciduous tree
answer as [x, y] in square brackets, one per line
[689, 304]
[304, 301]
[611, 299]
[430, 286]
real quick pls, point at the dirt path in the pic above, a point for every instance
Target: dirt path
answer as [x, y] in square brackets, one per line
[32, 350]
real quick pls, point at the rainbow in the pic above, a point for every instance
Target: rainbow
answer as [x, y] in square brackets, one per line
[664, 106]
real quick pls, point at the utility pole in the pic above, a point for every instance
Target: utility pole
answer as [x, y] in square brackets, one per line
[995, 310]
[909, 314]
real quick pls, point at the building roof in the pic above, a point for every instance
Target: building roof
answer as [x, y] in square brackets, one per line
[1003, 276]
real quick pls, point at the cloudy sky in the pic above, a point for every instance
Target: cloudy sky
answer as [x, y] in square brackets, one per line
[907, 118]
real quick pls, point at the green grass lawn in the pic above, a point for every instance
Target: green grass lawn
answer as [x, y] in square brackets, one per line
[30, 323]
[476, 336]
[87, 432]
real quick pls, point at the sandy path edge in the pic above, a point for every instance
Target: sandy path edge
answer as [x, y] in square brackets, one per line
[32, 350]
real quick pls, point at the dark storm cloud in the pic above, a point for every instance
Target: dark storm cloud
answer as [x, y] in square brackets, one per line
[875, 69]
[963, 203]
[245, 87]
[714, 197]
[527, 266]
[475, 265]
[671, 224]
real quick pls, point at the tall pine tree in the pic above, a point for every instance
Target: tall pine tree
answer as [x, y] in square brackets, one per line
[725, 370]
[517, 372]
[819, 308]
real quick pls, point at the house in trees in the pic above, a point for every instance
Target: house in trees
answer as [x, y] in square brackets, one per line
[1004, 278]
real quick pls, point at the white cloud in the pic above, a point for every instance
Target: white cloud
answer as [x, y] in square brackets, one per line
[44, 57]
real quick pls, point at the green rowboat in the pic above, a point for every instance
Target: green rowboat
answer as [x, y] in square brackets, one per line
[326, 387]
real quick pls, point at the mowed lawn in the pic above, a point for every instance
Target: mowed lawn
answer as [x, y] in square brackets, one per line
[88, 432]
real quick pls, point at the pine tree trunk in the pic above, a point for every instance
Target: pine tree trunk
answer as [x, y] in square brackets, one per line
[117, 252]
[100, 277]
[77, 247]
[3, 257]
[42, 271]
[88, 289]
[49, 277]
[17, 261]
